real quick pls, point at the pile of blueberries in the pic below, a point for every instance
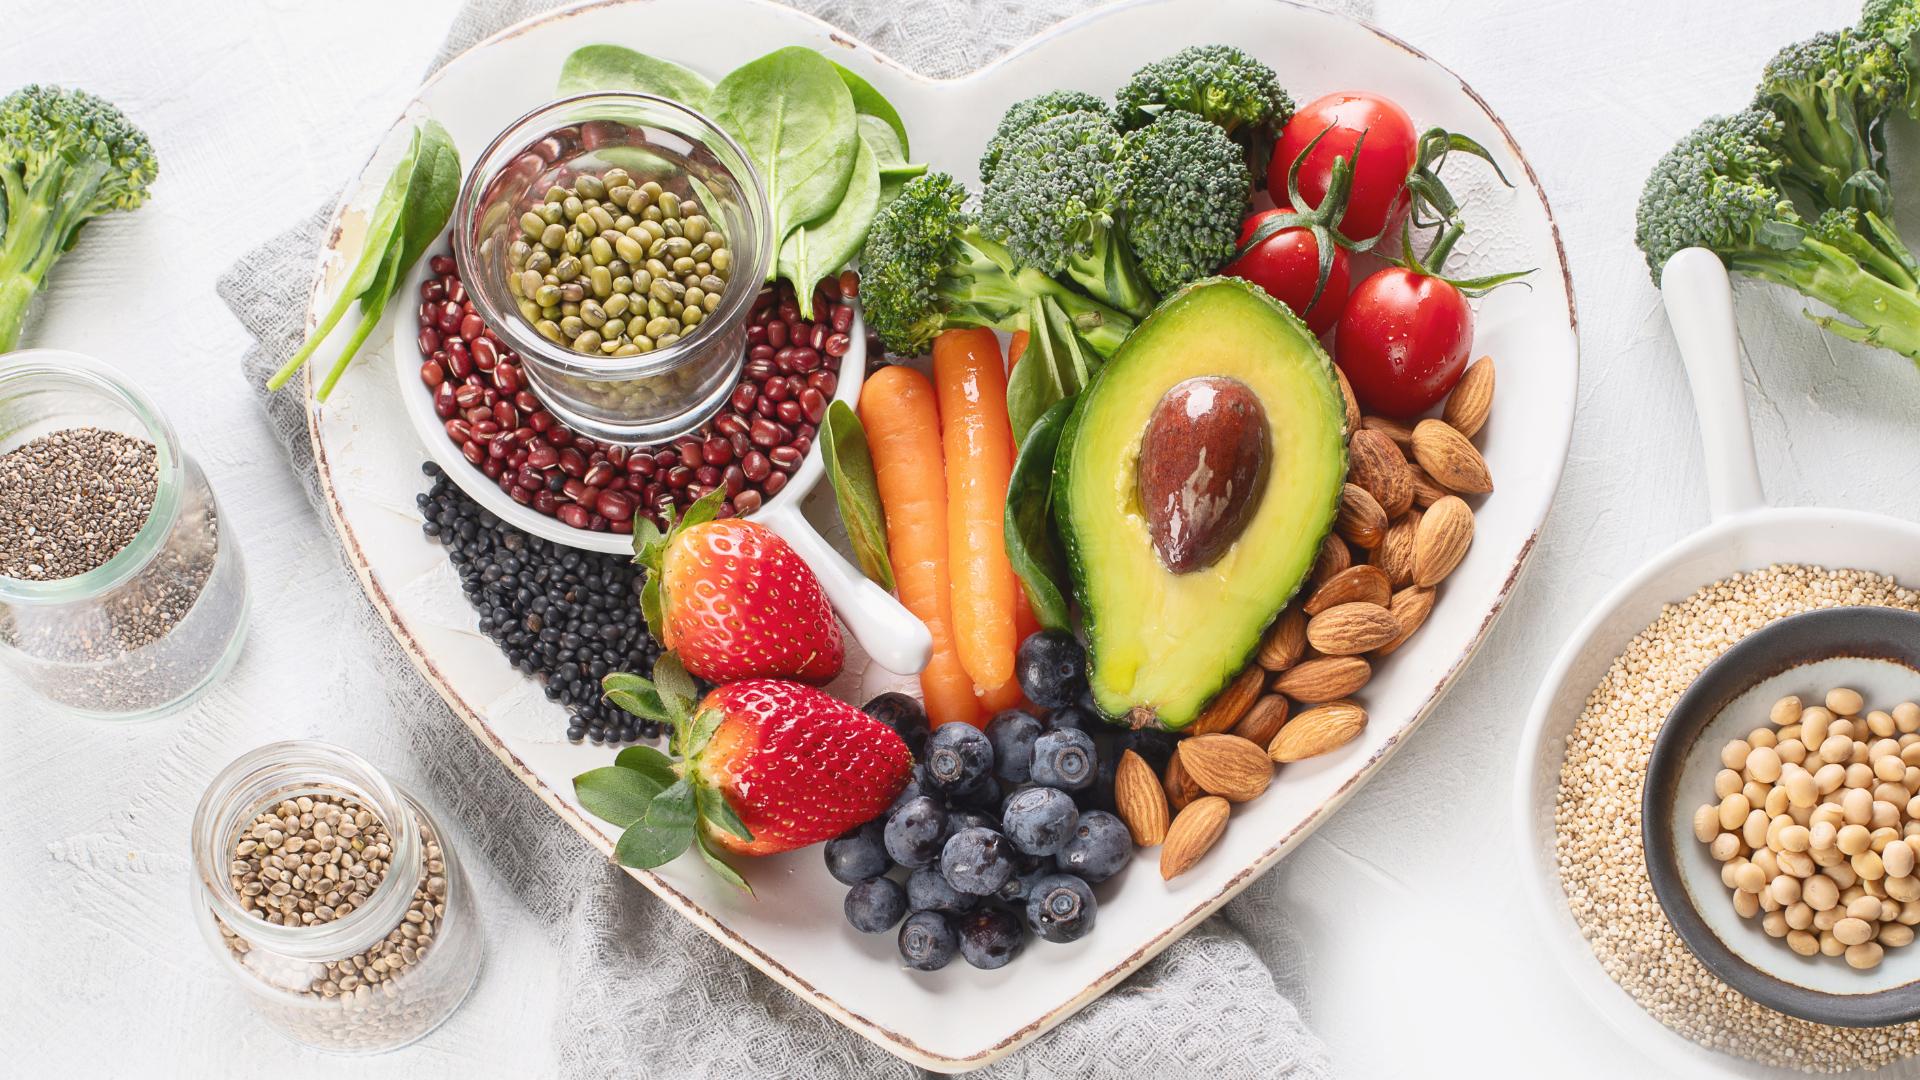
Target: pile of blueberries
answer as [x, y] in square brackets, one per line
[1001, 831]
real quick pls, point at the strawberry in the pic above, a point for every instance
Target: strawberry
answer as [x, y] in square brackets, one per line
[764, 766]
[734, 601]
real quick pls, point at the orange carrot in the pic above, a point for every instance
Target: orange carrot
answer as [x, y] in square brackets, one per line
[978, 441]
[1016, 348]
[1001, 698]
[1025, 622]
[899, 410]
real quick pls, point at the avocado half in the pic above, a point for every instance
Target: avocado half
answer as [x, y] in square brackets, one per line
[1162, 644]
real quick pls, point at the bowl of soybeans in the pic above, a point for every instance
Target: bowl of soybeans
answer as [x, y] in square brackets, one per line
[1781, 816]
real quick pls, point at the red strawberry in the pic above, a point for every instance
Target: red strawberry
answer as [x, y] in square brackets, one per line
[735, 601]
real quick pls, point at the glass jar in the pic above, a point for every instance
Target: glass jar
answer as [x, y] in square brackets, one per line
[377, 977]
[149, 630]
[653, 396]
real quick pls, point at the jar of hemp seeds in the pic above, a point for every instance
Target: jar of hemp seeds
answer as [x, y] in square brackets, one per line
[122, 596]
[333, 898]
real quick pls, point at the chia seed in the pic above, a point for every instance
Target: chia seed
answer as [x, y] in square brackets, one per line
[72, 500]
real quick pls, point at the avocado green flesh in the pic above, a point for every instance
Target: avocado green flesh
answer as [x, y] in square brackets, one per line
[1168, 642]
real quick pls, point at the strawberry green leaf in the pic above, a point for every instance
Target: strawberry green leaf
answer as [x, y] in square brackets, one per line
[618, 796]
[651, 607]
[643, 701]
[663, 833]
[717, 811]
[705, 509]
[701, 733]
[727, 873]
[647, 540]
[648, 762]
[676, 687]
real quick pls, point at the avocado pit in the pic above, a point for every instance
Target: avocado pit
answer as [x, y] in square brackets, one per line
[1204, 459]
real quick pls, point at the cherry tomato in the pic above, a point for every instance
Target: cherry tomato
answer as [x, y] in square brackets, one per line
[1403, 341]
[1287, 264]
[1378, 199]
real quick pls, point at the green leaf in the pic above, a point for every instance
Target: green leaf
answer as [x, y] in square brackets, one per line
[1032, 546]
[823, 247]
[677, 688]
[651, 607]
[616, 795]
[666, 830]
[726, 872]
[647, 705]
[843, 447]
[704, 509]
[717, 811]
[1056, 366]
[701, 732]
[648, 541]
[592, 68]
[648, 762]
[888, 151]
[868, 101]
[795, 115]
[430, 196]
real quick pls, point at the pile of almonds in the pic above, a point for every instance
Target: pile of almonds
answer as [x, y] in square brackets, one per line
[1403, 525]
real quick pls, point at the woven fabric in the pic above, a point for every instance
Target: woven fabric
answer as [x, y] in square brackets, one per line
[645, 992]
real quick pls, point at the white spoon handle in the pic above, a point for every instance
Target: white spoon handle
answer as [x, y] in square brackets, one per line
[1699, 301]
[892, 636]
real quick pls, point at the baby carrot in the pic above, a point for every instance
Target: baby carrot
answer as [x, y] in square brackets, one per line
[1016, 348]
[978, 441]
[902, 419]
[1001, 698]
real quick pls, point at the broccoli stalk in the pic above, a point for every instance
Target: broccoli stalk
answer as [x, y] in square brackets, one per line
[926, 268]
[66, 157]
[1831, 94]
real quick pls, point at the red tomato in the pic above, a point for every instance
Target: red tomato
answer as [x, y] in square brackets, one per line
[1287, 264]
[1403, 341]
[1380, 175]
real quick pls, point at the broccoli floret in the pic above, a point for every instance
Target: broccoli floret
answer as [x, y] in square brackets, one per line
[1721, 188]
[1186, 190]
[1831, 94]
[1055, 202]
[926, 268]
[66, 156]
[1897, 23]
[1034, 110]
[1218, 83]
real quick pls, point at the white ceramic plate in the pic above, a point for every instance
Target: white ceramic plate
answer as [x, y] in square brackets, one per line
[795, 932]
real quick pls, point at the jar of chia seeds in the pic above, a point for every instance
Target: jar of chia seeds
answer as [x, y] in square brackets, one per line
[333, 898]
[121, 596]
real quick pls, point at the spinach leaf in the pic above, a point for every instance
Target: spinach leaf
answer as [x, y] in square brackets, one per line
[843, 447]
[794, 114]
[891, 156]
[871, 102]
[821, 248]
[431, 195]
[614, 67]
[1057, 364]
[1032, 547]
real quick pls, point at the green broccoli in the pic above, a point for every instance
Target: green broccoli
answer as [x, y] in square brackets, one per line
[66, 156]
[1022, 115]
[1218, 83]
[1897, 22]
[1832, 93]
[1055, 202]
[1721, 188]
[1185, 191]
[926, 268]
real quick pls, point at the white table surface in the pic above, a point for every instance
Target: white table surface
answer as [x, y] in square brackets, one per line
[1422, 958]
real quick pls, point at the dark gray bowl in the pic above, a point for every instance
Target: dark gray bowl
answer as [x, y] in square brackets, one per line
[1873, 649]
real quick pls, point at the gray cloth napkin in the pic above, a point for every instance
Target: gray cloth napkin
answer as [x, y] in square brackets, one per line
[646, 993]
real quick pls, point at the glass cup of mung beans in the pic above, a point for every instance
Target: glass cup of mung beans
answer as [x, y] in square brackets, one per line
[616, 242]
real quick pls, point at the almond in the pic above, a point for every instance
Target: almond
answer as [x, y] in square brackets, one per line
[1286, 640]
[1318, 730]
[1394, 556]
[1376, 464]
[1450, 459]
[1140, 799]
[1441, 541]
[1191, 835]
[1334, 557]
[1181, 790]
[1472, 399]
[1425, 491]
[1411, 607]
[1401, 434]
[1360, 520]
[1353, 403]
[1230, 703]
[1226, 765]
[1325, 678]
[1350, 629]
[1355, 584]
[1263, 721]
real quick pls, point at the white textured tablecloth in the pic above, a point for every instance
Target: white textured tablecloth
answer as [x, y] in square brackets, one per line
[1420, 951]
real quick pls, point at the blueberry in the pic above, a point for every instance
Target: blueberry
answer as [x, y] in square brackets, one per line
[912, 791]
[927, 941]
[1100, 846]
[1073, 717]
[982, 794]
[1153, 745]
[1012, 734]
[1020, 885]
[958, 756]
[858, 854]
[1065, 760]
[1040, 820]
[990, 937]
[1099, 794]
[874, 905]
[965, 818]
[927, 890]
[1060, 907]
[904, 715]
[977, 861]
[1052, 668]
[915, 832]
